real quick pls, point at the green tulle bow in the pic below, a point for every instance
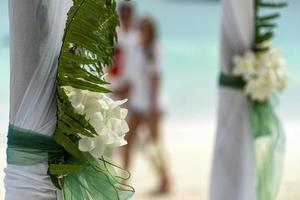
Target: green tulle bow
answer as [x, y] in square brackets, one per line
[268, 140]
[269, 147]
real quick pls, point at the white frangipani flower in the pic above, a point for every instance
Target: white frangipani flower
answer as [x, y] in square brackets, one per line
[94, 145]
[105, 115]
[260, 88]
[282, 77]
[245, 66]
[77, 96]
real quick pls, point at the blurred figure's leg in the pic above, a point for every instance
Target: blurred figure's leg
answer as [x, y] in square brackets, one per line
[158, 153]
[134, 122]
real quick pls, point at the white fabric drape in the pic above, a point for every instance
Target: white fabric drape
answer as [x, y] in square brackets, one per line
[36, 30]
[233, 172]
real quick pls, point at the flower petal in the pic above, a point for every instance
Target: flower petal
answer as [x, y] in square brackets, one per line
[115, 124]
[124, 113]
[79, 108]
[77, 97]
[105, 134]
[87, 144]
[124, 126]
[98, 151]
[115, 140]
[104, 104]
[118, 103]
[97, 124]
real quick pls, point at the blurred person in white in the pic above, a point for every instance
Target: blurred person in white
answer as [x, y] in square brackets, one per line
[143, 78]
[125, 48]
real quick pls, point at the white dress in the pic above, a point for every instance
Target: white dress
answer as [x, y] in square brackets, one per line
[127, 42]
[36, 30]
[138, 74]
[127, 39]
[233, 172]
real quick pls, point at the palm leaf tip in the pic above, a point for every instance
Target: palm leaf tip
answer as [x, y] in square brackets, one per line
[88, 42]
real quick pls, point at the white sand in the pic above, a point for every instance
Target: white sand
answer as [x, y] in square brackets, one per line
[191, 155]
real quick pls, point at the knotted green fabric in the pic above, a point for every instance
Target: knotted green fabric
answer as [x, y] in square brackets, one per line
[25, 147]
[234, 82]
[80, 180]
[268, 139]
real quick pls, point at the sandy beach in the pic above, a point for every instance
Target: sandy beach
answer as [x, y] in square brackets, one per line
[191, 156]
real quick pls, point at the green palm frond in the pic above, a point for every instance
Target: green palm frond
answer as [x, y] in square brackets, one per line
[87, 48]
[264, 24]
[88, 43]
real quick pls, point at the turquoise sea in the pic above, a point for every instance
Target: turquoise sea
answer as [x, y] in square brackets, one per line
[189, 34]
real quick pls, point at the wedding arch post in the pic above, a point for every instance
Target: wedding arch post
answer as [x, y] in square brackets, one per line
[233, 172]
[36, 30]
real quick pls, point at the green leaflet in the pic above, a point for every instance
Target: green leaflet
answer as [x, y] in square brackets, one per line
[264, 24]
[266, 18]
[272, 4]
[88, 47]
[69, 145]
[82, 84]
[56, 169]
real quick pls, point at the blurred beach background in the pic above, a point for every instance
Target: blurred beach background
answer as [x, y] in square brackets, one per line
[189, 35]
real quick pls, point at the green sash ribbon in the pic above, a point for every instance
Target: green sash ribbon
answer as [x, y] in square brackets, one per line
[25, 147]
[268, 139]
[79, 180]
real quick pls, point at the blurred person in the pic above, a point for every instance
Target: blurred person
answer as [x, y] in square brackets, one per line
[145, 106]
[125, 48]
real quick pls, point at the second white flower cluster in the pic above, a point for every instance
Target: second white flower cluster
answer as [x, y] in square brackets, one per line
[105, 115]
[265, 73]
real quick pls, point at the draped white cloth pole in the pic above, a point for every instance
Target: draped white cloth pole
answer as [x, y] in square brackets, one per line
[36, 29]
[233, 172]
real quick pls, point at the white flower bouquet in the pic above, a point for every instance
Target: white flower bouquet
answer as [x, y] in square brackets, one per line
[265, 73]
[105, 115]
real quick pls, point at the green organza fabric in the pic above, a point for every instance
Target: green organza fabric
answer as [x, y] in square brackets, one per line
[25, 147]
[269, 146]
[90, 182]
[268, 140]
